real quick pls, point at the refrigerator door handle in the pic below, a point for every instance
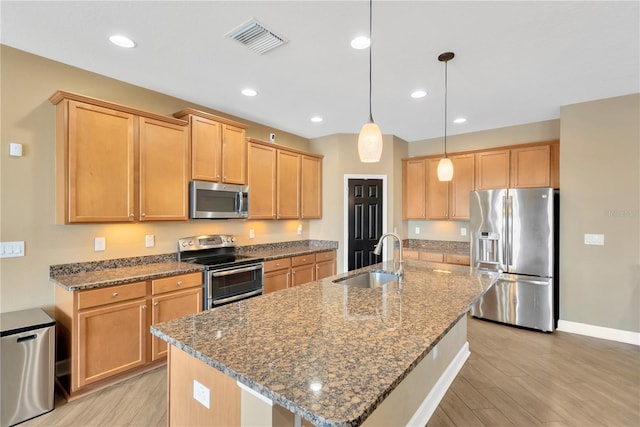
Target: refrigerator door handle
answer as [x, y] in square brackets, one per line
[505, 258]
[509, 224]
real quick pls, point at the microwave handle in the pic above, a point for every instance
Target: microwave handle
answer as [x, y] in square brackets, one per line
[239, 201]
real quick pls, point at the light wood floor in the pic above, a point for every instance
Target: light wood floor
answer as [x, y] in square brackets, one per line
[513, 377]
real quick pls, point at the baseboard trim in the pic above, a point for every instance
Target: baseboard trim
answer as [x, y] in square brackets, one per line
[610, 334]
[431, 402]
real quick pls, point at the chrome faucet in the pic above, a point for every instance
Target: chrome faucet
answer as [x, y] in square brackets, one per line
[378, 249]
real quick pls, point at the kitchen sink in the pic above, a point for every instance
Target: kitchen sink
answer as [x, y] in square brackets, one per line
[369, 279]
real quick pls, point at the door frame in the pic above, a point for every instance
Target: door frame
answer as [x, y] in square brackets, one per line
[345, 214]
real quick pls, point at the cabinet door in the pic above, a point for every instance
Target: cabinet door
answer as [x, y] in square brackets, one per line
[311, 196]
[111, 339]
[288, 185]
[414, 181]
[262, 181]
[302, 274]
[325, 269]
[437, 192]
[171, 306]
[492, 169]
[460, 187]
[164, 176]
[276, 280]
[531, 167]
[206, 147]
[99, 184]
[234, 155]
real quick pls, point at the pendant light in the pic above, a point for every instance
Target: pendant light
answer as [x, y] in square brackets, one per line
[445, 167]
[370, 137]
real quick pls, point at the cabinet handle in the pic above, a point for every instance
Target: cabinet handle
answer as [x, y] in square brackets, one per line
[130, 215]
[115, 294]
[288, 279]
[155, 304]
[179, 283]
[144, 307]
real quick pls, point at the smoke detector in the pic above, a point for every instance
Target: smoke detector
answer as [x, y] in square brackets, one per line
[256, 36]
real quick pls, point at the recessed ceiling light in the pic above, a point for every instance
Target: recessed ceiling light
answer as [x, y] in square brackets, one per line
[460, 120]
[361, 42]
[249, 92]
[419, 94]
[122, 41]
[316, 119]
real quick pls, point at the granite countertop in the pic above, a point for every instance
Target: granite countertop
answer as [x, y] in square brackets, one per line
[352, 345]
[121, 275]
[287, 249]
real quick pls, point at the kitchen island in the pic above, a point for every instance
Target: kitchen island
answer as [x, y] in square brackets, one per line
[324, 353]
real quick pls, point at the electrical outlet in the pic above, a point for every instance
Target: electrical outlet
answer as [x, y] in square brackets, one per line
[463, 231]
[201, 394]
[99, 244]
[252, 234]
[149, 240]
[434, 352]
[417, 230]
[299, 229]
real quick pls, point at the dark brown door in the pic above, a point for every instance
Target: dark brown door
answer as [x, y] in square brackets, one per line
[365, 221]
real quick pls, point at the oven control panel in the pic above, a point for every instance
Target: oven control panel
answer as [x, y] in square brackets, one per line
[196, 243]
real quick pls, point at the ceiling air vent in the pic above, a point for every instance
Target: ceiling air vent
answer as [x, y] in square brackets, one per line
[256, 37]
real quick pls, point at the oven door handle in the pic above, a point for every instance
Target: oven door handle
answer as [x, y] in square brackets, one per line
[236, 270]
[237, 297]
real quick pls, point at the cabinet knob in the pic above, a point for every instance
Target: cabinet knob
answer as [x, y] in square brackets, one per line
[217, 176]
[179, 283]
[115, 294]
[143, 214]
[155, 304]
[144, 307]
[130, 215]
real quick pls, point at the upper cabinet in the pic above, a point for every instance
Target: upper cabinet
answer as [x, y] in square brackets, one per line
[218, 147]
[118, 164]
[425, 197]
[283, 183]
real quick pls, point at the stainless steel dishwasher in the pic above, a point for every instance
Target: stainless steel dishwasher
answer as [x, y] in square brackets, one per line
[27, 340]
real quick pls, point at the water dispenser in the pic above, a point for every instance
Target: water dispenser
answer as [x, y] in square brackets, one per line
[488, 248]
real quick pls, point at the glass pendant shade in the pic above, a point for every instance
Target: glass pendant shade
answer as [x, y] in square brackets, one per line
[370, 143]
[445, 169]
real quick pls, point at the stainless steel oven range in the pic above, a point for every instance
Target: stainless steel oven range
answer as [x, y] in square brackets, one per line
[228, 276]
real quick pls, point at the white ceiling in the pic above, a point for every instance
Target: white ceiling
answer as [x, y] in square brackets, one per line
[516, 62]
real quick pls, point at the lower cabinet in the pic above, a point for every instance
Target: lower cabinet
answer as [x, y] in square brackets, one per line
[103, 334]
[284, 273]
[437, 257]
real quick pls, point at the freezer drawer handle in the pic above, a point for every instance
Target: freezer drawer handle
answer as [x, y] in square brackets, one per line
[534, 282]
[28, 338]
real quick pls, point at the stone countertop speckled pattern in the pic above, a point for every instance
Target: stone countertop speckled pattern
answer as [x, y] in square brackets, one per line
[287, 249]
[355, 344]
[122, 275]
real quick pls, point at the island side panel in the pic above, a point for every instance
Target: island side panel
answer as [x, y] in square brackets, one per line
[183, 409]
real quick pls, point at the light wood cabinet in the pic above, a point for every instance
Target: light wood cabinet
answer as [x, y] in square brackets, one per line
[302, 269]
[460, 187]
[531, 167]
[284, 183]
[492, 169]
[432, 256]
[218, 147]
[118, 164]
[110, 338]
[288, 185]
[277, 274]
[311, 187]
[325, 264]
[103, 333]
[409, 254]
[437, 192]
[457, 259]
[163, 170]
[414, 190]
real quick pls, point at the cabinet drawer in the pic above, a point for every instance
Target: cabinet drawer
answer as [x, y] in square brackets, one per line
[277, 264]
[456, 259]
[174, 283]
[325, 256]
[431, 256]
[302, 260]
[411, 254]
[111, 294]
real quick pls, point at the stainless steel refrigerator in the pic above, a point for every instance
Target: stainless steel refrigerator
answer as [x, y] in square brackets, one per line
[515, 232]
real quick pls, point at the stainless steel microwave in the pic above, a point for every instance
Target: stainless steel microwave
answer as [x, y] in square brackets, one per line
[218, 201]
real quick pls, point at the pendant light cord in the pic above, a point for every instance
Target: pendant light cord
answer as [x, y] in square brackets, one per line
[445, 108]
[370, 44]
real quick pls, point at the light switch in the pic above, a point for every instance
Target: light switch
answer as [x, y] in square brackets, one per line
[99, 245]
[15, 149]
[12, 249]
[594, 239]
